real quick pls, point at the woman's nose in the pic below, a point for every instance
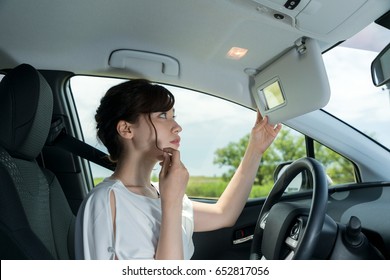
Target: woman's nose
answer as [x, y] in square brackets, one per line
[176, 128]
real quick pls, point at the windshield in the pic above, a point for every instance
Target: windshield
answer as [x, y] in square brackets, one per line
[354, 98]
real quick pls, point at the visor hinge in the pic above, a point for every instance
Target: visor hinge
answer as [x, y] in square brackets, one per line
[300, 45]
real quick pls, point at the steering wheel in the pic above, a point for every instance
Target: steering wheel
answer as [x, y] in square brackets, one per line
[285, 230]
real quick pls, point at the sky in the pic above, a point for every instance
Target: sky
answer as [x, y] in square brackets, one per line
[353, 96]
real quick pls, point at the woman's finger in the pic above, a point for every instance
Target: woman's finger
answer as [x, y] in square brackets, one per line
[173, 154]
[259, 117]
[165, 164]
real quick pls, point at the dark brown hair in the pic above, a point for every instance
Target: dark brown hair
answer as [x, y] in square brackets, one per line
[127, 101]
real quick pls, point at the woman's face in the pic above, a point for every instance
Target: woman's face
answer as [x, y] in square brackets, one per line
[167, 131]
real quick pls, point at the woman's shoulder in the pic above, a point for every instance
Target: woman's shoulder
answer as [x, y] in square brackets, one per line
[107, 183]
[102, 190]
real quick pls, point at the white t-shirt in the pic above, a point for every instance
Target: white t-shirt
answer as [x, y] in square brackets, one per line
[138, 220]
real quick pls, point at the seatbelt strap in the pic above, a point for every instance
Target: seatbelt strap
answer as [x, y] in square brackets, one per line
[59, 138]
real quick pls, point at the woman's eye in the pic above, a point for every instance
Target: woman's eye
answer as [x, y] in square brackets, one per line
[166, 115]
[163, 115]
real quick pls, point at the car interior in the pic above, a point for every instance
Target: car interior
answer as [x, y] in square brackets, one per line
[277, 68]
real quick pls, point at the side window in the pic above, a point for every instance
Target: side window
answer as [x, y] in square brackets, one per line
[339, 169]
[209, 125]
[213, 140]
[87, 92]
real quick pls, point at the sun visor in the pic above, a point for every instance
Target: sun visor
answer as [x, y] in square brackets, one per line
[294, 84]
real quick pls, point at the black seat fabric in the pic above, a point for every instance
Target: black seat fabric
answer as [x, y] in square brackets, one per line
[36, 221]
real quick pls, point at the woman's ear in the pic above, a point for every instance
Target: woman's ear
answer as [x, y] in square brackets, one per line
[124, 129]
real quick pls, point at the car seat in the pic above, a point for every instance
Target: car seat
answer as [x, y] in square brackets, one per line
[36, 221]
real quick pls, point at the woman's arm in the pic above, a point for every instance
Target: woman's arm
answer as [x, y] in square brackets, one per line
[229, 206]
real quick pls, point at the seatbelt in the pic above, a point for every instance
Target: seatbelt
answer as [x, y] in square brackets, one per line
[59, 138]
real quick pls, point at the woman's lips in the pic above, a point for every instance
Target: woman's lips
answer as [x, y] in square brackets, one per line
[175, 142]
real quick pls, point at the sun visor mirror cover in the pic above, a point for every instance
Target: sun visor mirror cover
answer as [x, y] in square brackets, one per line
[294, 84]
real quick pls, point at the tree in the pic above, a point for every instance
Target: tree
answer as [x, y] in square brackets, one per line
[338, 168]
[286, 147]
[231, 156]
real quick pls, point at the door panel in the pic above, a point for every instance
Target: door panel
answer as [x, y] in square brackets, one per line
[218, 244]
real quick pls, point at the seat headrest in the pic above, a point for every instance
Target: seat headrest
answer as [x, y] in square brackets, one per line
[26, 108]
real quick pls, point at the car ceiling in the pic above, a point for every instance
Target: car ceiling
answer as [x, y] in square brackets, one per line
[80, 36]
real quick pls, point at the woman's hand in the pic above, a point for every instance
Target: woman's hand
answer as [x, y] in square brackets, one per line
[173, 181]
[263, 134]
[173, 176]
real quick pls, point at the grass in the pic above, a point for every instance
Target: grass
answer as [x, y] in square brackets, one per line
[97, 180]
[212, 187]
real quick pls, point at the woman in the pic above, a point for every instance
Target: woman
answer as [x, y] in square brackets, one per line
[127, 217]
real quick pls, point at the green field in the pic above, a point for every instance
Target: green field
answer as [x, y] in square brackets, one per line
[212, 187]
